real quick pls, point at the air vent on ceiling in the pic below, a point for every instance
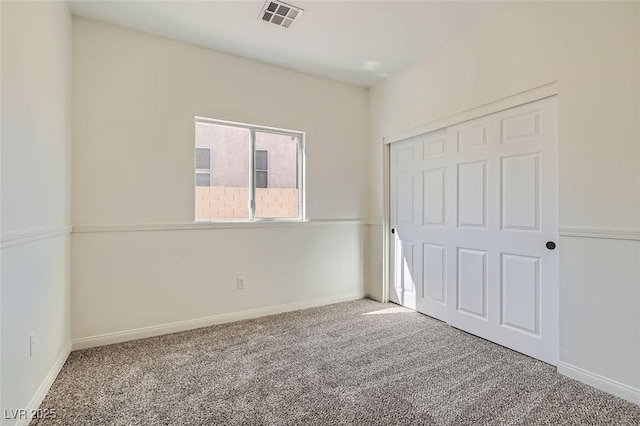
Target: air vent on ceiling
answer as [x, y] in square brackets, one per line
[279, 13]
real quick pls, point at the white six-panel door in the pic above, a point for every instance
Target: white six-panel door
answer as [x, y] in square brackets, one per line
[418, 218]
[473, 207]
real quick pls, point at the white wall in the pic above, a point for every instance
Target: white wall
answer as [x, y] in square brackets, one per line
[592, 50]
[130, 280]
[135, 99]
[36, 96]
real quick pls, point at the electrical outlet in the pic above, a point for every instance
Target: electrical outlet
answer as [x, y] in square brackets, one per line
[241, 283]
[32, 344]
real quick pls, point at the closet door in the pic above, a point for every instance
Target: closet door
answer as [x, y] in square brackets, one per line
[418, 219]
[475, 210]
[504, 228]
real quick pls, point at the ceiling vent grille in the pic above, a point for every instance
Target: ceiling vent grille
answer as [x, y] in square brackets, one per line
[279, 13]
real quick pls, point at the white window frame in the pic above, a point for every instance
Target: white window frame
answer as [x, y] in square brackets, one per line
[253, 128]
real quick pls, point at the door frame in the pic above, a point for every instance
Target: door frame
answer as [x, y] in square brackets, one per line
[386, 226]
[531, 95]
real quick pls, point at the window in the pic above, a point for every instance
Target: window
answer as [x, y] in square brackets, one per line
[203, 158]
[247, 173]
[262, 172]
[203, 179]
[203, 167]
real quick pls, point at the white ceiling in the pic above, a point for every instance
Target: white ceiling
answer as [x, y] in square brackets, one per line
[359, 42]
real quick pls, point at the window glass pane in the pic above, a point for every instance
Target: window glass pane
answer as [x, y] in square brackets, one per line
[261, 160]
[227, 197]
[203, 158]
[203, 179]
[278, 197]
[262, 179]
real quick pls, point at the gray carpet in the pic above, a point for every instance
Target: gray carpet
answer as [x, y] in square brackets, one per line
[359, 362]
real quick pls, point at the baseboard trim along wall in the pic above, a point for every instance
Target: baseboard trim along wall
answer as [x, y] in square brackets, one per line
[157, 330]
[44, 387]
[22, 237]
[600, 382]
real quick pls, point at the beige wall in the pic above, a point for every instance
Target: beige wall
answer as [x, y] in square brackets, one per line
[135, 98]
[148, 100]
[591, 49]
[35, 188]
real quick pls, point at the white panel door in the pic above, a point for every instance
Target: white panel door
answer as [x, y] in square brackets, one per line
[504, 279]
[474, 206]
[418, 219]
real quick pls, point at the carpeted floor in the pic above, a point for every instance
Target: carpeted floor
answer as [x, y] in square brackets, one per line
[361, 362]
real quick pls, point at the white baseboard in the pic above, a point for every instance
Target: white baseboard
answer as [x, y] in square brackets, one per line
[44, 387]
[157, 330]
[600, 382]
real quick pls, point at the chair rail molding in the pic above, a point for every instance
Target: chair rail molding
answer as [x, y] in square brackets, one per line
[196, 226]
[601, 233]
[22, 237]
